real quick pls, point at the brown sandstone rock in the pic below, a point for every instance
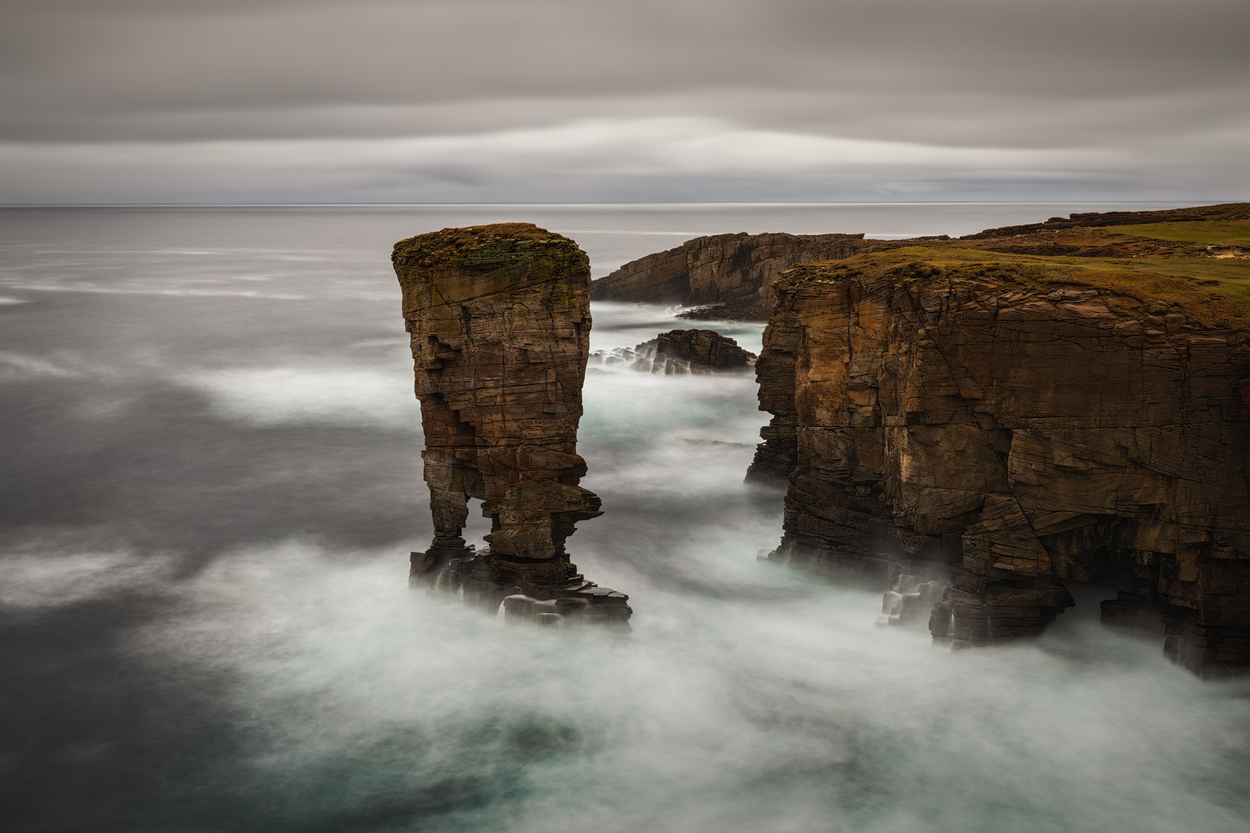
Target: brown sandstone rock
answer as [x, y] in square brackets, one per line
[733, 273]
[500, 324]
[972, 428]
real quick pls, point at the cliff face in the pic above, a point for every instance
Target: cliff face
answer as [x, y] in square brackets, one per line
[731, 272]
[500, 327]
[971, 429]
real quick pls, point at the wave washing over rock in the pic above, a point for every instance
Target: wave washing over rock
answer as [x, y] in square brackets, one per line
[971, 428]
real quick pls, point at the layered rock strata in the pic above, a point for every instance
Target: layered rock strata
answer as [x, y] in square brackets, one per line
[500, 325]
[729, 275]
[971, 434]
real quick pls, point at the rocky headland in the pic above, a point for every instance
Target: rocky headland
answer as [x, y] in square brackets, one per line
[970, 423]
[499, 318]
[730, 276]
[724, 276]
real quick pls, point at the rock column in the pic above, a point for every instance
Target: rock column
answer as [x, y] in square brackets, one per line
[499, 318]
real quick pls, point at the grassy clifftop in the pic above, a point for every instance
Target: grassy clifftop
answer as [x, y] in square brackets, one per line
[1199, 266]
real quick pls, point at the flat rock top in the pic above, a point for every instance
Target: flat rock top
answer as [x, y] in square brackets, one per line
[486, 248]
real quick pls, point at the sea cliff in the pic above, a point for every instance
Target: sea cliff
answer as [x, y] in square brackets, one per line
[725, 275]
[971, 423]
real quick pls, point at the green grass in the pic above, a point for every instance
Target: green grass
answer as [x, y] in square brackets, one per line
[1212, 293]
[1203, 232]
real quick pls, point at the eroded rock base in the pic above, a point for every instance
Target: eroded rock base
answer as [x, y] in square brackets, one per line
[543, 592]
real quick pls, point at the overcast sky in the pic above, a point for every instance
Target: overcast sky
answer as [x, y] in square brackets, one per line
[629, 100]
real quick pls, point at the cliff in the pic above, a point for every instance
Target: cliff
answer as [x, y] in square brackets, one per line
[732, 273]
[500, 327]
[730, 276]
[969, 428]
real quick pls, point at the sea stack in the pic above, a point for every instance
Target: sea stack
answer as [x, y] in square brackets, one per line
[499, 317]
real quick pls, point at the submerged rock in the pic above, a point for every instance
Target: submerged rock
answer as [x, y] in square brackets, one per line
[500, 326]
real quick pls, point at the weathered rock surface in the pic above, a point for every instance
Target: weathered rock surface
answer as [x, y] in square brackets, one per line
[972, 434]
[730, 274]
[500, 325]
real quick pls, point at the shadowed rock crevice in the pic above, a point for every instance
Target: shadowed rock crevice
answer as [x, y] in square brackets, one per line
[499, 318]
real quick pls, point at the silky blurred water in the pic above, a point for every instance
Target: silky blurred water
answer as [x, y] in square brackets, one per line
[209, 485]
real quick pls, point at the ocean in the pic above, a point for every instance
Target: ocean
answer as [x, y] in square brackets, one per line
[210, 481]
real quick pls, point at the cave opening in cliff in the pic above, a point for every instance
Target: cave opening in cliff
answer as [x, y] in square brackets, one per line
[1111, 573]
[477, 526]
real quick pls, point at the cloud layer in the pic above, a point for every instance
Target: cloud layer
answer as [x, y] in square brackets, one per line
[479, 100]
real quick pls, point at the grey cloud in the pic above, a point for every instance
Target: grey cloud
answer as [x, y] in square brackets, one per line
[280, 55]
[1154, 80]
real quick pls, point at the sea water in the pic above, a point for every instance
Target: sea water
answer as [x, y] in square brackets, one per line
[209, 486]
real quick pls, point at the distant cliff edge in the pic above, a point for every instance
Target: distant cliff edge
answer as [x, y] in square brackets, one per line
[732, 274]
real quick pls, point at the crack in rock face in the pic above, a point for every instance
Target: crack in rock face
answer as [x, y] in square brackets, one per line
[499, 317]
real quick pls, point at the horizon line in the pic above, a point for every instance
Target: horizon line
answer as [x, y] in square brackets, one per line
[622, 203]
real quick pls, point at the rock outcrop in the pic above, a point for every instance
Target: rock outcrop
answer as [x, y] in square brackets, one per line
[697, 352]
[971, 429]
[500, 325]
[729, 275]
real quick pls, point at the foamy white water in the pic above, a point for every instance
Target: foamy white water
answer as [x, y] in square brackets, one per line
[208, 501]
